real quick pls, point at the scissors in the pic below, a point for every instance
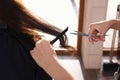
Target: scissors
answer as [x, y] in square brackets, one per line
[85, 34]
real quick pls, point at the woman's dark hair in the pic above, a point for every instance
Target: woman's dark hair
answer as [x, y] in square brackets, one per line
[21, 19]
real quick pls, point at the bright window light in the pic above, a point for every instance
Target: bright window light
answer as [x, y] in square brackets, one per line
[60, 13]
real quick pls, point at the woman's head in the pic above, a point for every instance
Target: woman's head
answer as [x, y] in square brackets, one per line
[14, 14]
[21, 19]
[8, 11]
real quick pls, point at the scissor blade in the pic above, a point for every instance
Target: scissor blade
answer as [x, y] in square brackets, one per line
[80, 33]
[84, 34]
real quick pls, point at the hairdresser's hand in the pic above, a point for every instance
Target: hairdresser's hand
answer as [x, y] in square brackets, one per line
[99, 28]
[43, 53]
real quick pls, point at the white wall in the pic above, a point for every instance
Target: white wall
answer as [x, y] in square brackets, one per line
[95, 10]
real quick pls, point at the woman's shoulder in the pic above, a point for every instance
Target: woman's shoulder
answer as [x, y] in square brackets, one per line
[7, 37]
[3, 31]
[11, 35]
[4, 35]
[3, 27]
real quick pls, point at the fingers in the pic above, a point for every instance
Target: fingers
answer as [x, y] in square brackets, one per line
[43, 53]
[94, 39]
[95, 34]
[35, 57]
[43, 42]
[43, 48]
[92, 31]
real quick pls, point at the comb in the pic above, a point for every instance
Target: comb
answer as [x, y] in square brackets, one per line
[59, 36]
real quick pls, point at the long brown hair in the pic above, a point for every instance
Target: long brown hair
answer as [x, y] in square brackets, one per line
[21, 19]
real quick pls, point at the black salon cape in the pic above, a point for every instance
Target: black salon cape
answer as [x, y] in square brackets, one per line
[15, 60]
